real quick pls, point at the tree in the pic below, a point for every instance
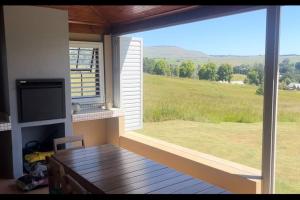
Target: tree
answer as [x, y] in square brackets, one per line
[186, 69]
[241, 69]
[252, 77]
[225, 72]
[297, 66]
[208, 72]
[285, 66]
[148, 65]
[260, 70]
[286, 79]
[175, 70]
[162, 68]
[255, 75]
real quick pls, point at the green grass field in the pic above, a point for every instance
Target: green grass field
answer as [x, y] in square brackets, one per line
[223, 120]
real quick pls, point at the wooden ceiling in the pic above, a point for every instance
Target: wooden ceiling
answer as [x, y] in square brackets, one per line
[101, 18]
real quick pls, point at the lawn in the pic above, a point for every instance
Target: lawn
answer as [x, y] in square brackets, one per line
[223, 120]
[207, 101]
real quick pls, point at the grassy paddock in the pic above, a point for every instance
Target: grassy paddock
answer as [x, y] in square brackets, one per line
[223, 120]
[205, 101]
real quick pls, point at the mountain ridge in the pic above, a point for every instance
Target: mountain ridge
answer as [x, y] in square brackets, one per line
[176, 54]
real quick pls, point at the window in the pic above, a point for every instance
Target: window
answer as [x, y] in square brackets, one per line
[87, 72]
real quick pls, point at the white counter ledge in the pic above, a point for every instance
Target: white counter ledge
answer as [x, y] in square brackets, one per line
[85, 115]
[94, 114]
[5, 126]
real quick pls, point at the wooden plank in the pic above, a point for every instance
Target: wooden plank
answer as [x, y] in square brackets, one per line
[175, 187]
[111, 171]
[126, 179]
[161, 184]
[86, 150]
[88, 165]
[145, 183]
[86, 28]
[94, 158]
[84, 157]
[74, 152]
[147, 169]
[111, 164]
[211, 190]
[192, 15]
[193, 189]
[123, 171]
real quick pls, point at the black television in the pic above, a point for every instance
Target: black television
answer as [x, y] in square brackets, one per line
[40, 99]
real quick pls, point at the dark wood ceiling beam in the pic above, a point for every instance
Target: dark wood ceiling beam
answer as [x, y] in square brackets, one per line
[99, 14]
[84, 28]
[86, 23]
[187, 16]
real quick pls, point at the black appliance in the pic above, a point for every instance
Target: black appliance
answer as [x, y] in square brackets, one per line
[40, 99]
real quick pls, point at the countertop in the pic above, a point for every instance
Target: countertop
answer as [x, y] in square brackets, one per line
[85, 115]
[5, 126]
[4, 122]
[93, 114]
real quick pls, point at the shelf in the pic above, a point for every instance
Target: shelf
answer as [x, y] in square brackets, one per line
[94, 114]
[44, 122]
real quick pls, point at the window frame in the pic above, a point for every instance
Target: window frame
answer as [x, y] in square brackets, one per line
[99, 45]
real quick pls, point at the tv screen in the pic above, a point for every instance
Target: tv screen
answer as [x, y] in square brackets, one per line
[40, 100]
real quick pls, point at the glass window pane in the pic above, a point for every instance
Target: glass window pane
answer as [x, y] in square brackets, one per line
[288, 137]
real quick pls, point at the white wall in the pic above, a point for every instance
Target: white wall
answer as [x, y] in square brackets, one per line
[37, 42]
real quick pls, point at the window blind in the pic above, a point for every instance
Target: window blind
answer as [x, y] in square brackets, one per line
[86, 70]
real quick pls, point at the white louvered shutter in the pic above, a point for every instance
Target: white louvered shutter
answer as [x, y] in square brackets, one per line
[131, 81]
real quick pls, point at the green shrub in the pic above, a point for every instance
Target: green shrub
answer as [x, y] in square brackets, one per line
[186, 69]
[225, 72]
[162, 68]
[260, 90]
[208, 72]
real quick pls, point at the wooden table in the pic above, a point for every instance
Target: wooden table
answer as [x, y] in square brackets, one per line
[113, 170]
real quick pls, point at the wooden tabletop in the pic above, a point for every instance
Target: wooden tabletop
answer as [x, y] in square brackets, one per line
[114, 170]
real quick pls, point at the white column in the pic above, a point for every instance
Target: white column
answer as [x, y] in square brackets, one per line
[116, 71]
[270, 100]
[108, 68]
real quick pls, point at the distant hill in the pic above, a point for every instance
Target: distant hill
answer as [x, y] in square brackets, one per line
[172, 52]
[176, 54]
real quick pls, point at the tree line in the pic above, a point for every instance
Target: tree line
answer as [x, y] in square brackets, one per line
[289, 72]
[188, 69]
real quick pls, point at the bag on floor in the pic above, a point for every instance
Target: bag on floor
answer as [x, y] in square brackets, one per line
[29, 182]
[38, 177]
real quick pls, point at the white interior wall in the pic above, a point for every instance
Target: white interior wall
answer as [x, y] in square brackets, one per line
[37, 43]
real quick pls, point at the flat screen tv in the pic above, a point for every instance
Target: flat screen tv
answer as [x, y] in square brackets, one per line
[40, 99]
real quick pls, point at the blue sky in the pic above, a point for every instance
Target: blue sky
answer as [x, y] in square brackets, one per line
[240, 34]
